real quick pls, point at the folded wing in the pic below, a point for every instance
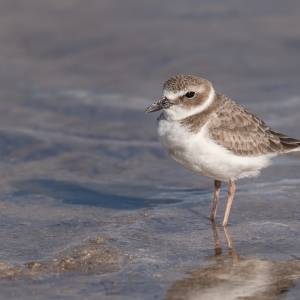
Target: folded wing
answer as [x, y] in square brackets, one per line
[235, 128]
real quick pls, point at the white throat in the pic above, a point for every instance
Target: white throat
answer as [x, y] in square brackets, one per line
[177, 112]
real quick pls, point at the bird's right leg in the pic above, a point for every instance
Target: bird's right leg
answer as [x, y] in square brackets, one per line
[216, 198]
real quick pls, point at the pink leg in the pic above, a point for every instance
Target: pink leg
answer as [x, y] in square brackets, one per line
[216, 197]
[231, 191]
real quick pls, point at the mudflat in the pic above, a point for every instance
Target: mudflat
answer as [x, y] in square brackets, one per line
[91, 206]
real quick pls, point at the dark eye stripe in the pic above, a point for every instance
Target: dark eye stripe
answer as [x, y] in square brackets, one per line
[190, 94]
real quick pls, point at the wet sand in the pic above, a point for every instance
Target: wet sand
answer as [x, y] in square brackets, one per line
[91, 206]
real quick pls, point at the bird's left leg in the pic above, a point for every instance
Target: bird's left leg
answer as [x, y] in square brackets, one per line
[231, 191]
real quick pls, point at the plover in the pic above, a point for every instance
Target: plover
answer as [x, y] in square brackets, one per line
[211, 135]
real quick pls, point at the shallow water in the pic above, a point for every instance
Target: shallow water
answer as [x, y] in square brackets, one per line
[91, 206]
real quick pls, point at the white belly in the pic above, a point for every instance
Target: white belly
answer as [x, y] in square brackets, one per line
[198, 153]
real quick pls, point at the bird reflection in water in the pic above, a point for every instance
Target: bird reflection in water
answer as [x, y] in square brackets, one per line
[232, 276]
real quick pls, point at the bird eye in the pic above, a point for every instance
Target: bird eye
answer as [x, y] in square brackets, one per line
[190, 94]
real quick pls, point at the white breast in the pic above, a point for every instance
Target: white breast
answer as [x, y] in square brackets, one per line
[200, 154]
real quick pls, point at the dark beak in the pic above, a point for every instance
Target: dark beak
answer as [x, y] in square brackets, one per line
[163, 103]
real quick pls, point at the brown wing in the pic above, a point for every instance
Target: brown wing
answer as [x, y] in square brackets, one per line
[235, 128]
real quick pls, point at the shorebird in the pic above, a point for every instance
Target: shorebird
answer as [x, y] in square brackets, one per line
[213, 136]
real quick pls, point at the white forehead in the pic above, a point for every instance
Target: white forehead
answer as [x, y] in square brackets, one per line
[171, 95]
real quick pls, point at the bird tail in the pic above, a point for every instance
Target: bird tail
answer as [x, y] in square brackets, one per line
[288, 144]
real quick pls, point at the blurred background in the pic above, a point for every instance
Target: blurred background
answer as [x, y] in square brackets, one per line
[132, 48]
[90, 68]
[76, 149]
